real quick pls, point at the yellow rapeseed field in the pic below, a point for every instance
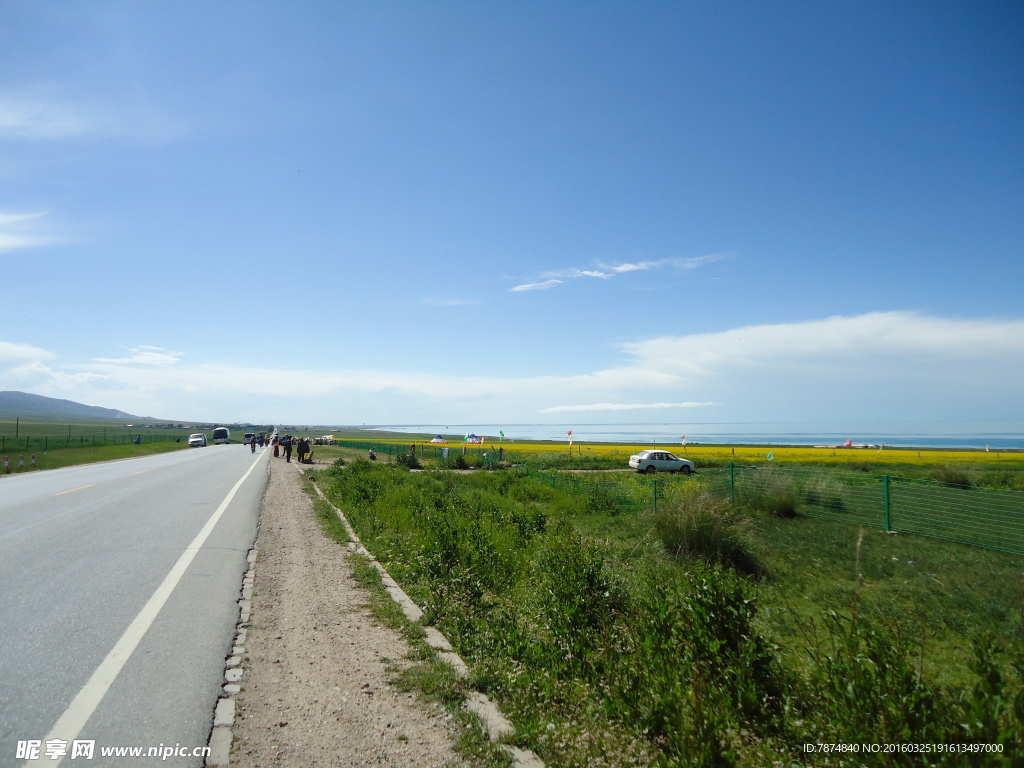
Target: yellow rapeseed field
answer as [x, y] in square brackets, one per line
[758, 454]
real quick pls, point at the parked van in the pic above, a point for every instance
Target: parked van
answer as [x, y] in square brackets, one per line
[221, 435]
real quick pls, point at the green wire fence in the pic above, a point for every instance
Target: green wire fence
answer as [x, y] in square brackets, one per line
[989, 518]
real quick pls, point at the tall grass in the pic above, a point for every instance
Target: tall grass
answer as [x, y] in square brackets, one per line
[699, 525]
[650, 659]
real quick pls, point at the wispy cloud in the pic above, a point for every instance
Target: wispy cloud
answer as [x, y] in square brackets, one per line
[38, 114]
[143, 355]
[24, 230]
[621, 407]
[607, 271]
[31, 119]
[449, 302]
[537, 286]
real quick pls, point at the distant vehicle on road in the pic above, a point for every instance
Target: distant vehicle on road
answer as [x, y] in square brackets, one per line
[249, 437]
[197, 440]
[221, 435]
[651, 461]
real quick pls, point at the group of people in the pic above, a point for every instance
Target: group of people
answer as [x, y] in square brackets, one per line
[285, 445]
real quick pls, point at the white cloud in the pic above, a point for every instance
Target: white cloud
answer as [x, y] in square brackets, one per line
[857, 346]
[12, 354]
[620, 407]
[144, 355]
[875, 366]
[608, 271]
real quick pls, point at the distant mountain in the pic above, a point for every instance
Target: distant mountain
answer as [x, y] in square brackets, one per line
[29, 407]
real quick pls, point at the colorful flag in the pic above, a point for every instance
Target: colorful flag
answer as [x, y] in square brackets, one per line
[569, 433]
[771, 456]
[684, 439]
[501, 435]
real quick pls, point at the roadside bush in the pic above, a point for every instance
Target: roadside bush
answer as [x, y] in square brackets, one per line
[869, 685]
[408, 460]
[644, 660]
[606, 498]
[770, 492]
[692, 666]
[823, 494]
[1001, 478]
[701, 526]
[957, 476]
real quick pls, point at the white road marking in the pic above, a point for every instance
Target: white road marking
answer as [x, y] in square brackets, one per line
[71, 723]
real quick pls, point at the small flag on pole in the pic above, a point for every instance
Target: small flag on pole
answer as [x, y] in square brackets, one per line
[684, 439]
[771, 456]
[569, 433]
[501, 435]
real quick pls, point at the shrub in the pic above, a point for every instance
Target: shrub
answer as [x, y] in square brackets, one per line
[701, 526]
[869, 684]
[1004, 478]
[824, 494]
[770, 492]
[408, 460]
[956, 477]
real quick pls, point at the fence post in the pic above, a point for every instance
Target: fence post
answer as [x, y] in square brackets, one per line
[885, 479]
[732, 482]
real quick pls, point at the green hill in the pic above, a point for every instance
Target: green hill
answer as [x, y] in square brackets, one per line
[31, 407]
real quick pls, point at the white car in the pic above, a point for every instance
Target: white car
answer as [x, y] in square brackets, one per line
[659, 461]
[197, 440]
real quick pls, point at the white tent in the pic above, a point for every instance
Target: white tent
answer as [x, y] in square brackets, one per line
[439, 439]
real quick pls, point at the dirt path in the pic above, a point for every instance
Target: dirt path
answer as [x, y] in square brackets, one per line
[315, 689]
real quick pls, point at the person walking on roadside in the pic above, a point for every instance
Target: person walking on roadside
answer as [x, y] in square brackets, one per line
[277, 446]
[288, 448]
[303, 449]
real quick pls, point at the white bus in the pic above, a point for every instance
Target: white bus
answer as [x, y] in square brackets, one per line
[221, 435]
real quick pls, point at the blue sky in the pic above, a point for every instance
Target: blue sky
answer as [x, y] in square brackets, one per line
[395, 212]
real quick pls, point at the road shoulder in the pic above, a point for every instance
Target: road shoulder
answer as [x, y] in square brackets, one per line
[316, 666]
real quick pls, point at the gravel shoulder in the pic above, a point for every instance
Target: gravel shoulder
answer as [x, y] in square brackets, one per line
[315, 690]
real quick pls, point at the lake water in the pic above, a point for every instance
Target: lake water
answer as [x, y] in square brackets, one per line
[998, 435]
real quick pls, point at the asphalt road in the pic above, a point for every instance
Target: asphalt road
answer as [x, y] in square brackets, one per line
[83, 550]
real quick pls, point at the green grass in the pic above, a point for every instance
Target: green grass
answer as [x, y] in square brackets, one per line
[606, 649]
[432, 680]
[90, 454]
